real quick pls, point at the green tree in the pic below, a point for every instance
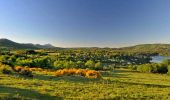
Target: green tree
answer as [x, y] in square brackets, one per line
[58, 64]
[90, 64]
[166, 61]
[98, 66]
[80, 64]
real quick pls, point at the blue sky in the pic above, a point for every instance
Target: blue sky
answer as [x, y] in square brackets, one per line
[74, 23]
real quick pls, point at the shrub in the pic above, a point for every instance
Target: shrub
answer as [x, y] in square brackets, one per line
[81, 72]
[5, 69]
[93, 74]
[23, 71]
[145, 68]
[26, 72]
[18, 68]
[35, 69]
[162, 68]
[132, 67]
[90, 64]
[166, 61]
[169, 69]
[153, 68]
[43, 62]
[98, 66]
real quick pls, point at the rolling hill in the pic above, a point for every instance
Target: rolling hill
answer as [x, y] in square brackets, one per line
[148, 47]
[6, 43]
[163, 49]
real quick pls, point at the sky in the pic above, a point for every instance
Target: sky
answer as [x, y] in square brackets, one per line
[85, 23]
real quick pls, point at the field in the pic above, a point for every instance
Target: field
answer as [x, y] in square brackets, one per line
[118, 84]
[84, 50]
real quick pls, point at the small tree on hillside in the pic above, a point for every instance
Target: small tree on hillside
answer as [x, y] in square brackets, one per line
[90, 64]
[98, 66]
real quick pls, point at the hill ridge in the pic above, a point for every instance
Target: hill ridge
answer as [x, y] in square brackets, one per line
[6, 43]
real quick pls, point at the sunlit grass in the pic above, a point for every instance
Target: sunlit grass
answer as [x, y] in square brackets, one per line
[119, 84]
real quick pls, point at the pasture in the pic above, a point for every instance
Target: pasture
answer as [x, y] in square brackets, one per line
[117, 84]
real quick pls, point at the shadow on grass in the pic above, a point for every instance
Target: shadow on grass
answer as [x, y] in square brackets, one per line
[74, 78]
[122, 71]
[108, 81]
[11, 93]
[119, 73]
[115, 73]
[147, 85]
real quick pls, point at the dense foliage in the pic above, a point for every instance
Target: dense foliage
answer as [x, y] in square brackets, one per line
[91, 58]
[84, 58]
[153, 67]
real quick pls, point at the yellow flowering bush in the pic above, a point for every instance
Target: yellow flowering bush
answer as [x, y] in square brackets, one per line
[81, 72]
[23, 71]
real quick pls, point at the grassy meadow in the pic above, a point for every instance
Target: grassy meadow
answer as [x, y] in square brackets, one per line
[117, 84]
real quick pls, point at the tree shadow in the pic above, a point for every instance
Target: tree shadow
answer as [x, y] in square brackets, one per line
[46, 77]
[122, 71]
[117, 74]
[72, 78]
[133, 83]
[11, 93]
[147, 85]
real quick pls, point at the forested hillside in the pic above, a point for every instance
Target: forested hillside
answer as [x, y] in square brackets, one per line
[162, 49]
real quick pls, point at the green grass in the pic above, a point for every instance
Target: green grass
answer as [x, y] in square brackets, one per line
[119, 84]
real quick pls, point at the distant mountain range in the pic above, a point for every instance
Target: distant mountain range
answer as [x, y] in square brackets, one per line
[6, 43]
[163, 48]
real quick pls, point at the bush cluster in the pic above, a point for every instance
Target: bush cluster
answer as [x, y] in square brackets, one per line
[5, 69]
[35, 69]
[133, 67]
[23, 71]
[81, 72]
[90, 64]
[163, 67]
[148, 68]
[44, 62]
